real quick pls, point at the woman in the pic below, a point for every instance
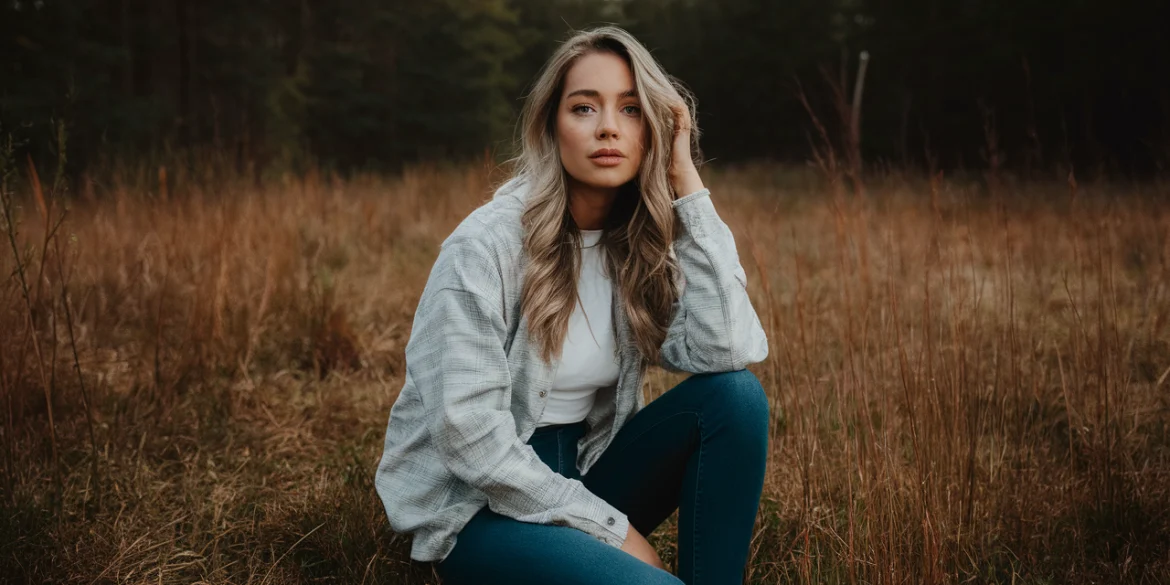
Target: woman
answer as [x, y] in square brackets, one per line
[519, 450]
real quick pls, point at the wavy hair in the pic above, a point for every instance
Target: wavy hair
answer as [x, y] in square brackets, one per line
[641, 224]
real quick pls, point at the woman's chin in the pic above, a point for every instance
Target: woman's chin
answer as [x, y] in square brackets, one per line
[606, 178]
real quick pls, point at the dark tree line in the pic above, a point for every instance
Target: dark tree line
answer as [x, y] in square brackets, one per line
[377, 83]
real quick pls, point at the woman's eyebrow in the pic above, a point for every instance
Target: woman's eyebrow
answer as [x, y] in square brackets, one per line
[593, 93]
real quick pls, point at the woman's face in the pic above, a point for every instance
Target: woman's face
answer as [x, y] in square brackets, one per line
[599, 124]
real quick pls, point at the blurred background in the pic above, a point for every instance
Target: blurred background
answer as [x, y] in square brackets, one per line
[217, 218]
[374, 84]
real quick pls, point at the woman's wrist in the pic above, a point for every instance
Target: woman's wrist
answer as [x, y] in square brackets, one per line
[687, 183]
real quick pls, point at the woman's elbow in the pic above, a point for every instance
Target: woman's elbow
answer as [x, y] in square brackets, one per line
[716, 355]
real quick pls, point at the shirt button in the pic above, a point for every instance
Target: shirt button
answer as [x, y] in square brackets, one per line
[611, 521]
[543, 393]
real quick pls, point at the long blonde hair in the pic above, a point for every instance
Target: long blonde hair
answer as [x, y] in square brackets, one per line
[641, 224]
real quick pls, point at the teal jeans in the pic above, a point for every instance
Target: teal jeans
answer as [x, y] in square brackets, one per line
[700, 448]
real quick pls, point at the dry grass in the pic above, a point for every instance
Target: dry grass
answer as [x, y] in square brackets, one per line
[196, 383]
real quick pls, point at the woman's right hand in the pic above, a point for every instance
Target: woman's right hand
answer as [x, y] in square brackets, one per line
[637, 545]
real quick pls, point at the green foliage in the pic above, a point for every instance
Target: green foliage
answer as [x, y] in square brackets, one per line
[285, 84]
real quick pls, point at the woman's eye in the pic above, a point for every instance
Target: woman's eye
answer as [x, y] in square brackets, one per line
[628, 110]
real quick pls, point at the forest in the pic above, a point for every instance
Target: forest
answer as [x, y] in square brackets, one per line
[375, 84]
[217, 218]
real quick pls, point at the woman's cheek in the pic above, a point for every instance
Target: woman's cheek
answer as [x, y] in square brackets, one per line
[579, 140]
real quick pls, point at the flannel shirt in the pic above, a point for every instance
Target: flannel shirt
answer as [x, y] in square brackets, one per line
[475, 386]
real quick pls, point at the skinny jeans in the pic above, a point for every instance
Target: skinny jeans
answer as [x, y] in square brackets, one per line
[701, 448]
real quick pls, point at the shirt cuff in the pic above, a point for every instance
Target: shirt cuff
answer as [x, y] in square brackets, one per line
[696, 213]
[617, 531]
[691, 197]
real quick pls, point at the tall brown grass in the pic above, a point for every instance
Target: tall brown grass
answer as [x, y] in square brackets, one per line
[965, 388]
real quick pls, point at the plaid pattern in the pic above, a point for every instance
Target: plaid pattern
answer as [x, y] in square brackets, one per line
[475, 387]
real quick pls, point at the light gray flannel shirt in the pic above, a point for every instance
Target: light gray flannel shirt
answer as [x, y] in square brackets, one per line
[475, 388]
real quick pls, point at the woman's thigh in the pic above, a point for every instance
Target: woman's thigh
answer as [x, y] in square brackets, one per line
[494, 549]
[642, 471]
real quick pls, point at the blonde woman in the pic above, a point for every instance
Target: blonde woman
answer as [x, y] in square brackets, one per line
[520, 450]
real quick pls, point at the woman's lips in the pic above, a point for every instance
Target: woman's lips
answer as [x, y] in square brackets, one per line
[607, 160]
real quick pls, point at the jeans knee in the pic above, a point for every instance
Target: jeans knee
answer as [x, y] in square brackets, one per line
[740, 397]
[658, 577]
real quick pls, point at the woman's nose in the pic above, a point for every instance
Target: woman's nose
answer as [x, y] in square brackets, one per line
[607, 127]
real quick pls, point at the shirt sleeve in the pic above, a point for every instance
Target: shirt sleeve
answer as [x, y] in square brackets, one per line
[456, 358]
[714, 327]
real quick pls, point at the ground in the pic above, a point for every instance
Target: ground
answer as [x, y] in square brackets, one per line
[968, 385]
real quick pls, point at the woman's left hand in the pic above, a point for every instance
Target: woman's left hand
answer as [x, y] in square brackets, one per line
[684, 177]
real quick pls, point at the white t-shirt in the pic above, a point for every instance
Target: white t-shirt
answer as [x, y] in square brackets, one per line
[588, 360]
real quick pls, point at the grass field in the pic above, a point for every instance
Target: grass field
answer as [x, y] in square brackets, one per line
[967, 387]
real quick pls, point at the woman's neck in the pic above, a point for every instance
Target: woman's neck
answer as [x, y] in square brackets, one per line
[590, 205]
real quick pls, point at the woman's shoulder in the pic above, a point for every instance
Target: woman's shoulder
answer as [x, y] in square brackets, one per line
[495, 226]
[483, 251]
